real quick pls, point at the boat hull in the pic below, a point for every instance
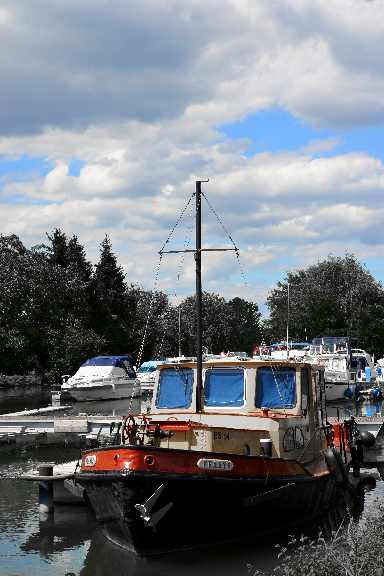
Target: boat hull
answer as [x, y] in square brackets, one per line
[202, 509]
[336, 390]
[118, 391]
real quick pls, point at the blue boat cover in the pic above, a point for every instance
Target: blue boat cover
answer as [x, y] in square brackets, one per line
[269, 384]
[153, 363]
[118, 361]
[175, 388]
[224, 387]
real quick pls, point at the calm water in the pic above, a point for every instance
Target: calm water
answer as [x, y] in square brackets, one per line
[68, 543]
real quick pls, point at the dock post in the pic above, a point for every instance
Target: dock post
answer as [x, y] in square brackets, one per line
[46, 490]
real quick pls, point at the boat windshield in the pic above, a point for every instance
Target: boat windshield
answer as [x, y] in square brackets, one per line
[144, 369]
[123, 362]
[275, 387]
[175, 388]
[224, 387]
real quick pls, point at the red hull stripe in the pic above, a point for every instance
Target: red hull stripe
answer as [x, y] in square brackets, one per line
[173, 461]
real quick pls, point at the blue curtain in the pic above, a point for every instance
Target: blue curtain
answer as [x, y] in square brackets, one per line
[175, 388]
[269, 384]
[224, 387]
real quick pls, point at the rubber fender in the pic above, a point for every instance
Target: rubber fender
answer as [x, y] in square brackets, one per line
[348, 393]
[336, 467]
[367, 439]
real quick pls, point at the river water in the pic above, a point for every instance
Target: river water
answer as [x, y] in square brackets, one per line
[68, 542]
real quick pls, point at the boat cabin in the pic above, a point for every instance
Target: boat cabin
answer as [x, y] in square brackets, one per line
[242, 404]
[105, 366]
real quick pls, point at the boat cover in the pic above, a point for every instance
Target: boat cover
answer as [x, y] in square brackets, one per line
[175, 388]
[117, 361]
[151, 364]
[224, 387]
[274, 388]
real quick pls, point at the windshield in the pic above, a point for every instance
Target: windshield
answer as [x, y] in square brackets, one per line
[147, 369]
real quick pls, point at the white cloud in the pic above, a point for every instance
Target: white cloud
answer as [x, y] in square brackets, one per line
[133, 91]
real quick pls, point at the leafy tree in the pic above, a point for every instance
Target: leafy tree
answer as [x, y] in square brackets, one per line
[39, 301]
[335, 297]
[249, 319]
[225, 325]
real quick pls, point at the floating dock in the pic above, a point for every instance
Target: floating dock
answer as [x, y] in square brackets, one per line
[57, 485]
[49, 425]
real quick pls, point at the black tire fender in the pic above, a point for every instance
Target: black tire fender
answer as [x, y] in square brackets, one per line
[336, 467]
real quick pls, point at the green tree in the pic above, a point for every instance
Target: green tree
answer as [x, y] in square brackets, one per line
[249, 318]
[40, 302]
[225, 325]
[335, 297]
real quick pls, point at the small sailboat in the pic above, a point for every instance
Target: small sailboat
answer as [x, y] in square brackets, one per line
[231, 448]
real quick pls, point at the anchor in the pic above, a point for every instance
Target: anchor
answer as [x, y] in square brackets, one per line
[146, 508]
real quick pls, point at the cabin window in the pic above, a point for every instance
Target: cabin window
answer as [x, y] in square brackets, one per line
[175, 388]
[304, 389]
[224, 387]
[275, 387]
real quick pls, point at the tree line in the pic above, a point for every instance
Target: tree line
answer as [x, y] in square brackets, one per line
[335, 297]
[57, 309]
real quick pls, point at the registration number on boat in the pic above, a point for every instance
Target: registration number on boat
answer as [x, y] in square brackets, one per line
[90, 460]
[214, 464]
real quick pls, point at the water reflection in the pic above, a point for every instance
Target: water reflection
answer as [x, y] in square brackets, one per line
[105, 558]
[360, 407]
[67, 528]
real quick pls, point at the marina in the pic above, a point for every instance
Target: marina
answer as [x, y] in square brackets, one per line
[69, 539]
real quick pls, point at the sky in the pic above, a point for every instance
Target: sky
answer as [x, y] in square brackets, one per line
[110, 112]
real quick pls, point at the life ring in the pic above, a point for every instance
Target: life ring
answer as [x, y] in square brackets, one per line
[336, 467]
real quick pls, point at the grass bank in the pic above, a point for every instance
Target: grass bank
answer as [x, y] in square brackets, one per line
[353, 550]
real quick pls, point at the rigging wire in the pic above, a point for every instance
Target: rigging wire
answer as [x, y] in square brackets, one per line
[240, 266]
[186, 244]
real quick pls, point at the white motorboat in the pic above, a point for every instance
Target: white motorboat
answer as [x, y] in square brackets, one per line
[104, 378]
[335, 354]
[146, 374]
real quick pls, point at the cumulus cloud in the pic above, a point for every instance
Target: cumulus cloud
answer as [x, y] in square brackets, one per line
[134, 93]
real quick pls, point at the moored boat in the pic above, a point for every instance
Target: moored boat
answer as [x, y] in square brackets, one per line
[146, 374]
[335, 354]
[103, 378]
[231, 448]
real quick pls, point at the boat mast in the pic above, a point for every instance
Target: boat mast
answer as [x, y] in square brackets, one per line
[287, 318]
[199, 344]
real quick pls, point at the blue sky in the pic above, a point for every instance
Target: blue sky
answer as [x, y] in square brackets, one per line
[275, 130]
[110, 112]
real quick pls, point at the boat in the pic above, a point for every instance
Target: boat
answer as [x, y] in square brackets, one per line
[146, 374]
[294, 350]
[232, 447]
[335, 354]
[103, 378]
